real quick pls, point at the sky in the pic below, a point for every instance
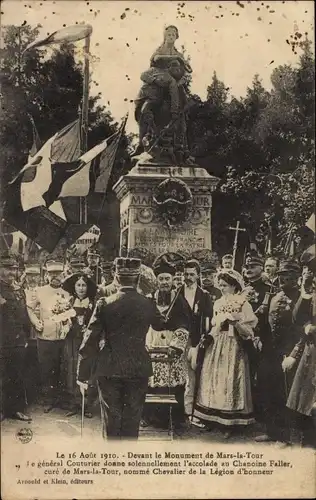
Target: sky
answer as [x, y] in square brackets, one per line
[235, 39]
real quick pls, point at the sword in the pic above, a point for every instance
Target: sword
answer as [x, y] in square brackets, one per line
[167, 315]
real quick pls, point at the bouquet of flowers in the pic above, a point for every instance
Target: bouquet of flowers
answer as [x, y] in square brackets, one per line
[230, 310]
[62, 313]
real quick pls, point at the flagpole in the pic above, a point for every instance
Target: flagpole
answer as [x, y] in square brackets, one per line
[84, 120]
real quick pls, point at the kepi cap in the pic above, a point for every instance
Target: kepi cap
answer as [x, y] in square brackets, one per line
[8, 260]
[253, 260]
[125, 266]
[54, 266]
[289, 266]
[32, 269]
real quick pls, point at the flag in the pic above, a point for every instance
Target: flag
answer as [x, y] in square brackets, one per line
[311, 223]
[67, 34]
[36, 176]
[72, 178]
[107, 159]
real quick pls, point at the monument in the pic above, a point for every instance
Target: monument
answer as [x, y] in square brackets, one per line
[166, 199]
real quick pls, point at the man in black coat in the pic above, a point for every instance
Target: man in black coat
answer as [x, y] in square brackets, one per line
[274, 384]
[258, 294]
[201, 309]
[116, 336]
[15, 330]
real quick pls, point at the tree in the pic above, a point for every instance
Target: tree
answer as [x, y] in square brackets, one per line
[47, 88]
[278, 174]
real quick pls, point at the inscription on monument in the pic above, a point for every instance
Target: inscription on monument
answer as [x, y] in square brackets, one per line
[159, 240]
[146, 200]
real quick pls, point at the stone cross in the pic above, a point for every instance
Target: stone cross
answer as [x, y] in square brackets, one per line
[236, 229]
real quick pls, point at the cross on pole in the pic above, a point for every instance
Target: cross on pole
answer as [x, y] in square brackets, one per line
[236, 229]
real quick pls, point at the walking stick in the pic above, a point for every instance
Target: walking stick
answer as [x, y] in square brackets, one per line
[82, 410]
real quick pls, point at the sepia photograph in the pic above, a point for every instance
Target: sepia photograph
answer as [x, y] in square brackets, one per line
[158, 265]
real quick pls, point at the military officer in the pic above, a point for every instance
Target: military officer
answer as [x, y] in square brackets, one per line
[93, 270]
[15, 327]
[274, 384]
[47, 300]
[119, 325]
[258, 295]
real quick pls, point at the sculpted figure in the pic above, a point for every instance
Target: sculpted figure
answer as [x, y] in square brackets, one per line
[161, 103]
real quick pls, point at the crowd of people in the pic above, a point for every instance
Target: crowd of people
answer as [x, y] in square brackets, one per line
[224, 349]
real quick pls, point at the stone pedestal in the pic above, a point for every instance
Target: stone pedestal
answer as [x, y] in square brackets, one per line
[140, 225]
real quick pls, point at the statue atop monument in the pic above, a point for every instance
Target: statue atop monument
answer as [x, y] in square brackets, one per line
[161, 105]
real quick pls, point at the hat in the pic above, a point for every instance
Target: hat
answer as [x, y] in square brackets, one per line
[32, 269]
[125, 266]
[208, 267]
[8, 260]
[235, 275]
[69, 284]
[308, 256]
[227, 256]
[289, 266]
[253, 260]
[164, 268]
[93, 253]
[54, 265]
[76, 262]
[179, 267]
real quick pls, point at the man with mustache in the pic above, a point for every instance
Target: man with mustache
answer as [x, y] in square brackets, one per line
[270, 271]
[50, 345]
[274, 384]
[257, 292]
[14, 338]
[201, 309]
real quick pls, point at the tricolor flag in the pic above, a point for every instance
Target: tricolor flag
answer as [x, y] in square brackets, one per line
[36, 176]
[74, 179]
[107, 159]
[68, 34]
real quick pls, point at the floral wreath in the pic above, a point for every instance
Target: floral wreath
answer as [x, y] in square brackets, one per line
[173, 200]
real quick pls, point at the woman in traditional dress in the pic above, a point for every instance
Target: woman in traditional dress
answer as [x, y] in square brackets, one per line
[82, 290]
[224, 395]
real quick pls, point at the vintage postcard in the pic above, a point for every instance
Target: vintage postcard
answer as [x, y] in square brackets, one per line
[158, 268]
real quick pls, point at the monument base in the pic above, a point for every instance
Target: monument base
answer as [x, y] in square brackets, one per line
[141, 223]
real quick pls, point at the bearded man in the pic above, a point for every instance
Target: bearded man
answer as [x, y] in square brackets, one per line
[169, 377]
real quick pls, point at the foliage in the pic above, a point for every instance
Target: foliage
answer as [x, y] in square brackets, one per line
[262, 148]
[260, 145]
[47, 86]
